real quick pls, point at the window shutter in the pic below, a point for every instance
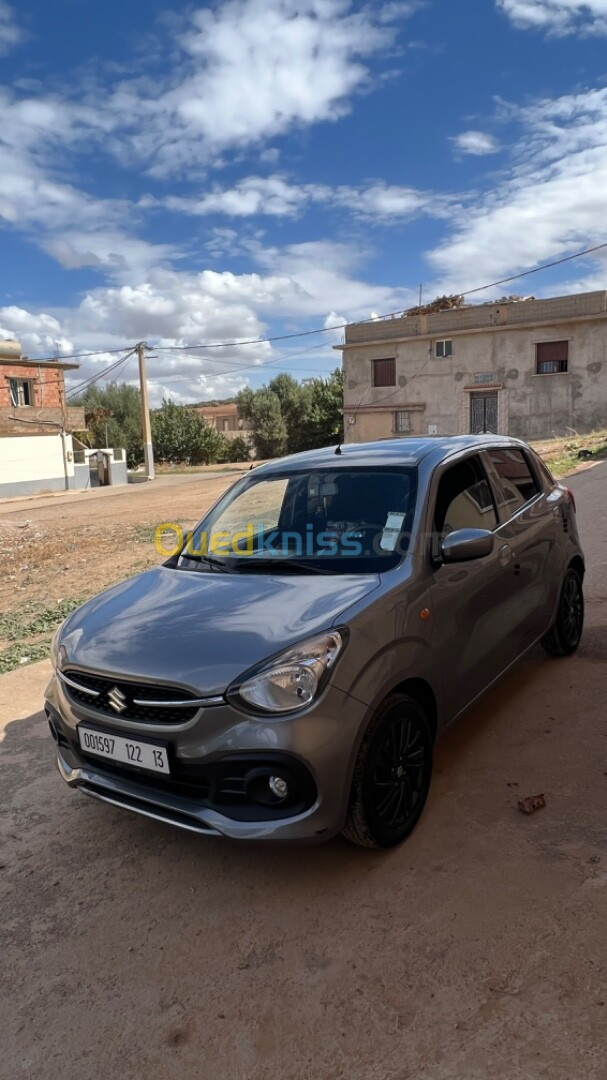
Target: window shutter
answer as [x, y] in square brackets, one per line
[384, 372]
[551, 356]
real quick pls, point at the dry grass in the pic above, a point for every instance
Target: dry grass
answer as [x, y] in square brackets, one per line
[567, 455]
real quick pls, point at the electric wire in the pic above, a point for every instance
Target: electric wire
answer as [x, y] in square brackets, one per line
[339, 326]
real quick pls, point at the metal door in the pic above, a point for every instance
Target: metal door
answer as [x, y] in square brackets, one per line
[468, 598]
[483, 413]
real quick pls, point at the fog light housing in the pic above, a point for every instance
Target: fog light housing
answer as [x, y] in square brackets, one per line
[278, 787]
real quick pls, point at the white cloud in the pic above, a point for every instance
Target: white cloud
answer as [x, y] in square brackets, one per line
[557, 16]
[251, 70]
[121, 256]
[304, 282]
[384, 202]
[11, 33]
[275, 196]
[554, 203]
[74, 227]
[248, 70]
[477, 143]
[318, 276]
[272, 195]
[39, 334]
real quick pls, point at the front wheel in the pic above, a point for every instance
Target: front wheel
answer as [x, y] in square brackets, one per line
[565, 633]
[392, 775]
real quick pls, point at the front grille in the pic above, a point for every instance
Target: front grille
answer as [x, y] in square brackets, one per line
[126, 694]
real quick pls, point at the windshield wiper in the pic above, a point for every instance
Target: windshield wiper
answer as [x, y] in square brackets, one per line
[280, 566]
[219, 564]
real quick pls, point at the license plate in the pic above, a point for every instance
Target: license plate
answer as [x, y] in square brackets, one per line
[139, 755]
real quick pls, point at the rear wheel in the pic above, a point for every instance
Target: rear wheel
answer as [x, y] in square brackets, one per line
[391, 776]
[565, 634]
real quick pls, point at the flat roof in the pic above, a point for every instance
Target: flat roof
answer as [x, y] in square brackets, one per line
[21, 361]
[492, 316]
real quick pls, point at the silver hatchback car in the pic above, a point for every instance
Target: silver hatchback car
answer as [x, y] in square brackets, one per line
[285, 674]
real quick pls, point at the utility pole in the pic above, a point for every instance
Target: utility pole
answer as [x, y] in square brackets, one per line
[148, 451]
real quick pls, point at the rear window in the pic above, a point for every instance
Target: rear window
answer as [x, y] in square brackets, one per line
[517, 484]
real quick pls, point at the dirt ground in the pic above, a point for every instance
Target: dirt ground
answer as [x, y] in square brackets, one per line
[59, 550]
[476, 950]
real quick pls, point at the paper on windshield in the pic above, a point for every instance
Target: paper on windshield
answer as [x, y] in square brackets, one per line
[391, 532]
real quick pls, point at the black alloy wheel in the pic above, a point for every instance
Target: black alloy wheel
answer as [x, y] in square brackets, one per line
[392, 775]
[565, 634]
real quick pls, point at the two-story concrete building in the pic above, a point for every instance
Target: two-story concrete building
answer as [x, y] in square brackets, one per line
[529, 368]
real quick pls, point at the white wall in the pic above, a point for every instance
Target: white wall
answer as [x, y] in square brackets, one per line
[30, 463]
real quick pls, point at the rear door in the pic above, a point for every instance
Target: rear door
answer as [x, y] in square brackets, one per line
[530, 528]
[470, 600]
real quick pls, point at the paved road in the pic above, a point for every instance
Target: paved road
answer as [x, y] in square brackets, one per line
[477, 950]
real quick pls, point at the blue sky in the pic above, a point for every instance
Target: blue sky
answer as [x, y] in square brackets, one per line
[248, 168]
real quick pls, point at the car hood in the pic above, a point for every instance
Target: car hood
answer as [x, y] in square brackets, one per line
[203, 629]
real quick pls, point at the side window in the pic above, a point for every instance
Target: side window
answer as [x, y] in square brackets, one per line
[464, 499]
[517, 484]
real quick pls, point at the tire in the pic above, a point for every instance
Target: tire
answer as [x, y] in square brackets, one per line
[565, 634]
[391, 776]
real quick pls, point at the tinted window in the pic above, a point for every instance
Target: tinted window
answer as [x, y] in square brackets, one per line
[464, 499]
[516, 481]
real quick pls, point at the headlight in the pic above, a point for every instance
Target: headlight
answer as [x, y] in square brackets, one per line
[293, 679]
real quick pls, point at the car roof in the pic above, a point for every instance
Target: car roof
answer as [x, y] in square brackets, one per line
[386, 452]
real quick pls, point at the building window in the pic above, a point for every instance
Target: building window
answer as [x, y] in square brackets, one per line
[551, 357]
[443, 349]
[21, 392]
[384, 372]
[402, 422]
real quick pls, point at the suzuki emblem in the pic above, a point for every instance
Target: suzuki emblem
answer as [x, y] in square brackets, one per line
[117, 700]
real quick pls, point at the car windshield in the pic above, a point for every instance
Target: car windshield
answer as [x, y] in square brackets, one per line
[329, 520]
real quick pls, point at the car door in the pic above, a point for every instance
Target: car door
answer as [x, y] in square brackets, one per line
[530, 526]
[469, 599]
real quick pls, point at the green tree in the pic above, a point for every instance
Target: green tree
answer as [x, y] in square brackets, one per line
[287, 416]
[269, 428]
[237, 449]
[324, 422]
[180, 435]
[295, 403]
[244, 401]
[113, 418]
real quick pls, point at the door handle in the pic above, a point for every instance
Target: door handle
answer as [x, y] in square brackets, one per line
[506, 554]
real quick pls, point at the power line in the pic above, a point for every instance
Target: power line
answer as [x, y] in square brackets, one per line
[378, 318]
[536, 270]
[248, 367]
[79, 356]
[83, 386]
[339, 326]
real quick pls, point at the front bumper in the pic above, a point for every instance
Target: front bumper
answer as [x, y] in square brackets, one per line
[319, 745]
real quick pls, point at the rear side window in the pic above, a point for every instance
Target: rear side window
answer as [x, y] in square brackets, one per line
[464, 499]
[544, 473]
[517, 484]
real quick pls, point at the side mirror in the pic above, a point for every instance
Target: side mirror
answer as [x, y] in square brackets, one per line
[464, 544]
